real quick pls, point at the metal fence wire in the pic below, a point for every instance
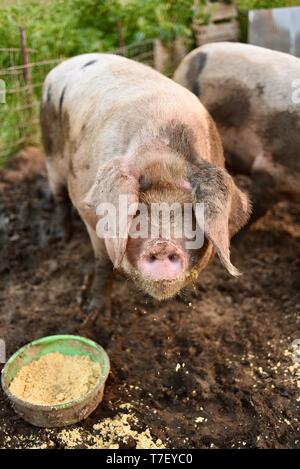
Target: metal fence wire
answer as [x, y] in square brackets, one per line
[21, 79]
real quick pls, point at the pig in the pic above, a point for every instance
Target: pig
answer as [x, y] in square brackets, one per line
[112, 127]
[253, 94]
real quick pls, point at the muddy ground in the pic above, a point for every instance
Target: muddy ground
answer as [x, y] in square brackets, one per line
[212, 369]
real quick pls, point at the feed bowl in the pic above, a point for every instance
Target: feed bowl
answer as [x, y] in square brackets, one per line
[67, 413]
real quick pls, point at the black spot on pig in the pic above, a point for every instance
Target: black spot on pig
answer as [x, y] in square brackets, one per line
[91, 62]
[49, 127]
[209, 185]
[181, 139]
[234, 107]
[260, 89]
[196, 66]
[71, 169]
[55, 129]
[144, 184]
[49, 94]
[61, 100]
[282, 138]
[65, 128]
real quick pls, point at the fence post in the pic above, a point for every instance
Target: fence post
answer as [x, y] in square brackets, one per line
[27, 74]
[120, 32]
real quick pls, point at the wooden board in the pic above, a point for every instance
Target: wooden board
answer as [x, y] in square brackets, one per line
[217, 32]
[221, 11]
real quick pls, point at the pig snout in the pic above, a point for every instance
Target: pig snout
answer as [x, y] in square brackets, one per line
[162, 260]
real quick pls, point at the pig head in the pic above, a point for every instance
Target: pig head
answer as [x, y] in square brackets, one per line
[162, 266]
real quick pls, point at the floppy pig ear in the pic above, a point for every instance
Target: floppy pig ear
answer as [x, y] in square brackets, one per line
[114, 180]
[226, 208]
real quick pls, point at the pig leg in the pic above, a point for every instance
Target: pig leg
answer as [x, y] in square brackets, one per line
[100, 291]
[61, 226]
[262, 191]
[63, 215]
[62, 221]
[101, 287]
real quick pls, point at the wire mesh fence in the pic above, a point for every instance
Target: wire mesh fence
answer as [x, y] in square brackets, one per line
[19, 112]
[21, 79]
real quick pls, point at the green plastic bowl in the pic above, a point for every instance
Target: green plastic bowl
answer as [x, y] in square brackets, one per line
[62, 414]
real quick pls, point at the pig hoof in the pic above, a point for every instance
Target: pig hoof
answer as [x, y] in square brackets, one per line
[97, 308]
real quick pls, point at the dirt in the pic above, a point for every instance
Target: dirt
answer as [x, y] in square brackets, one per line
[212, 369]
[109, 433]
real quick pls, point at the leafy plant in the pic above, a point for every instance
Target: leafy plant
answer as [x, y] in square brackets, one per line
[256, 4]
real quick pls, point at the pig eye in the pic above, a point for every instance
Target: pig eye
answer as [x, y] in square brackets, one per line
[144, 185]
[173, 257]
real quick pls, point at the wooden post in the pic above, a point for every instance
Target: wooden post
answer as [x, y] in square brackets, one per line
[120, 31]
[168, 56]
[27, 74]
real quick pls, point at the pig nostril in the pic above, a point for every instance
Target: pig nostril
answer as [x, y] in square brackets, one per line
[173, 258]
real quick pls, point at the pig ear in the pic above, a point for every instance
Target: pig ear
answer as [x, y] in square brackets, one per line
[114, 180]
[226, 208]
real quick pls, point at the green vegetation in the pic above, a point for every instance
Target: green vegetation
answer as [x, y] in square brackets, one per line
[256, 4]
[68, 27]
[62, 28]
